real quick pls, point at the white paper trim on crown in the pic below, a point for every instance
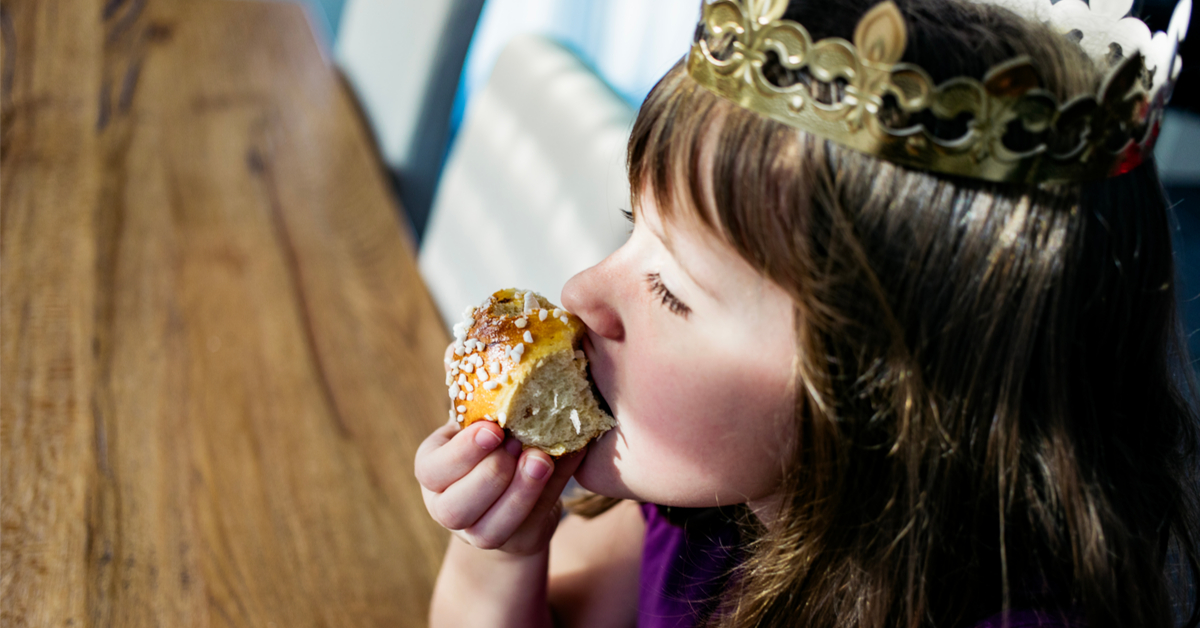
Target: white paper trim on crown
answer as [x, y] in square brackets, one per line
[1102, 23]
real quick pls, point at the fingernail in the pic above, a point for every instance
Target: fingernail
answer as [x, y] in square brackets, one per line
[536, 468]
[513, 446]
[486, 439]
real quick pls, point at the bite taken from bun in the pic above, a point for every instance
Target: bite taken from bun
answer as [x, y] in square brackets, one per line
[518, 361]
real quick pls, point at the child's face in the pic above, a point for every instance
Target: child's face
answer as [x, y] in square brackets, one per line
[693, 350]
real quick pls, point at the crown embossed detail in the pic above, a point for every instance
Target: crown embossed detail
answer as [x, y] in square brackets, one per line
[1006, 127]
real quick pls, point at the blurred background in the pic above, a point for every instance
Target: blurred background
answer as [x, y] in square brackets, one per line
[503, 122]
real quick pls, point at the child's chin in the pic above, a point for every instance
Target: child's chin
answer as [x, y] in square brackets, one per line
[598, 472]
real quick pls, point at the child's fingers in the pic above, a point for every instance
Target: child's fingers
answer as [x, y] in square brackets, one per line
[498, 524]
[465, 501]
[449, 453]
[439, 437]
[535, 531]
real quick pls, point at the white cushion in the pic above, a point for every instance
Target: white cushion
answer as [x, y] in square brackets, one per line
[533, 186]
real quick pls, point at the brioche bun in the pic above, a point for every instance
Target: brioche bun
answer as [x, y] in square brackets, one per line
[518, 362]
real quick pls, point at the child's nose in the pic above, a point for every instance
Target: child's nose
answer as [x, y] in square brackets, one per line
[589, 295]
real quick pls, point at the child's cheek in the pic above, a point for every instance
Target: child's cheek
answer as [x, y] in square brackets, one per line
[698, 428]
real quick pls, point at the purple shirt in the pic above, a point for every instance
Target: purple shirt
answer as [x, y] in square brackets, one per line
[685, 570]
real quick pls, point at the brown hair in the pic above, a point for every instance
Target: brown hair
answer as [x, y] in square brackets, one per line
[996, 409]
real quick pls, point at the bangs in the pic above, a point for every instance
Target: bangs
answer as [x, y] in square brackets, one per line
[667, 143]
[743, 176]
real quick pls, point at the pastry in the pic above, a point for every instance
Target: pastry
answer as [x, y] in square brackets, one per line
[518, 361]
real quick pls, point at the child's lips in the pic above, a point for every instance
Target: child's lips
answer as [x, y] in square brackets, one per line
[595, 377]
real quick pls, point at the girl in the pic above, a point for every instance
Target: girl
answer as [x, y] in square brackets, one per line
[856, 386]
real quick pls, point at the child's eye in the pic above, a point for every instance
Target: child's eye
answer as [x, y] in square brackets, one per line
[627, 214]
[670, 301]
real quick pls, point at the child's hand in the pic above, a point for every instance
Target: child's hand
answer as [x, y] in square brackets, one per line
[489, 492]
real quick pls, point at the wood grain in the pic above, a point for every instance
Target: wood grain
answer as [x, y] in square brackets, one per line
[217, 356]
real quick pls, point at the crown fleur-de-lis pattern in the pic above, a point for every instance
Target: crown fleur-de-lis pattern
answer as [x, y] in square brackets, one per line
[1089, 137]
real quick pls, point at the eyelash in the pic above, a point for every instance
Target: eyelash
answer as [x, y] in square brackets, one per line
[669, 301]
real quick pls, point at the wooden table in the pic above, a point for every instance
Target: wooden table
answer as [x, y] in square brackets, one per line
[217, 355]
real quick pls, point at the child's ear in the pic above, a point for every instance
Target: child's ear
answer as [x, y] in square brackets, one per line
[881, 36]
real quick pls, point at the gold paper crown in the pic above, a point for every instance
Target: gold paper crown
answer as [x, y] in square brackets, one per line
[1006, 127]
